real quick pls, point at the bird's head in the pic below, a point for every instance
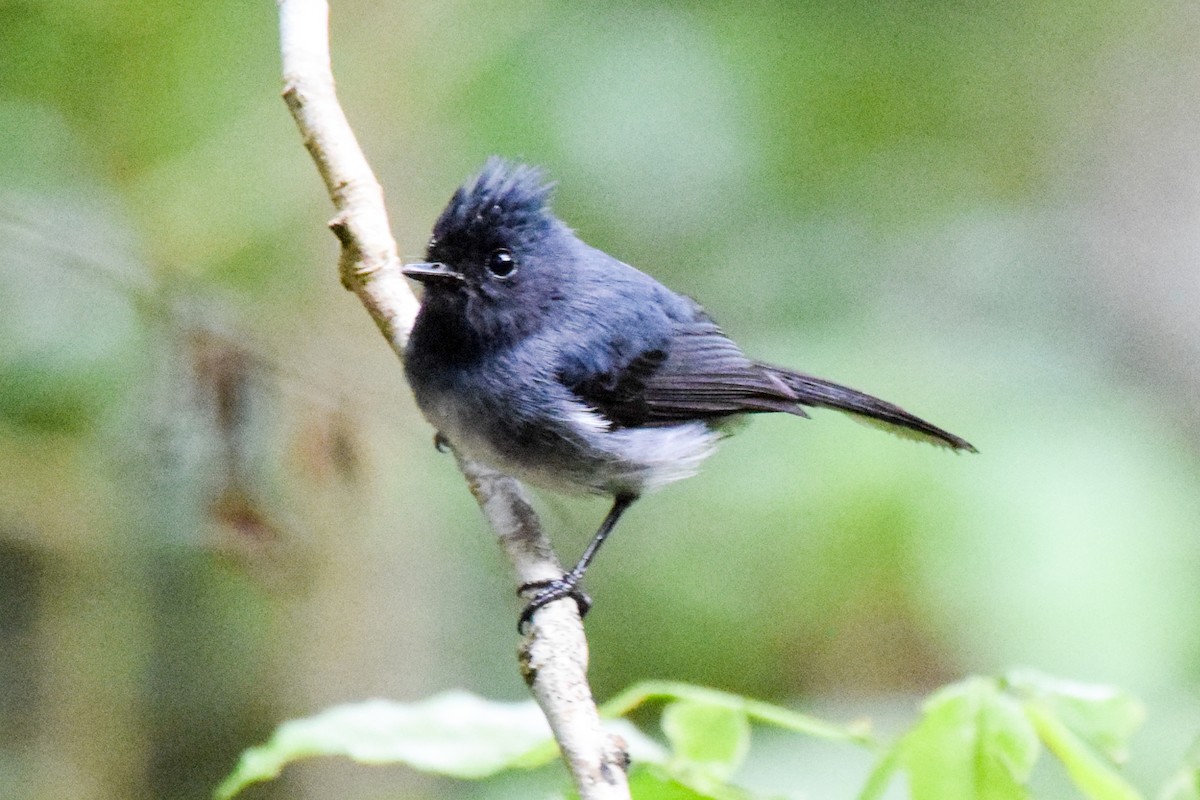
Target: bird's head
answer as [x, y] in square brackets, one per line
[498, 257]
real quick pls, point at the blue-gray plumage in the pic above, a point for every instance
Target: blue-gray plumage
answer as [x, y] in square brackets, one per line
[554, 362]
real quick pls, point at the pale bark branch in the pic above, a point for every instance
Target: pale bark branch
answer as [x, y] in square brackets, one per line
[553, 656]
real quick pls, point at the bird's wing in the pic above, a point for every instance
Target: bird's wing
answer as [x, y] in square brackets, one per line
[698, 373]
[694, 373]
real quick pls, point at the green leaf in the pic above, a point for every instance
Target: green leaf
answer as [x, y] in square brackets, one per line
[881, 776]
[657, 782]
[713, 738]
[1103, 716]
[755, 710]
[972, 742]
[455, 733]
[1087, 770]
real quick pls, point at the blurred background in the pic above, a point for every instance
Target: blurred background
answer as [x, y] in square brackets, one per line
[219, 508]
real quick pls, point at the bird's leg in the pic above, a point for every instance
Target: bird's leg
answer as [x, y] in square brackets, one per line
[568, 585]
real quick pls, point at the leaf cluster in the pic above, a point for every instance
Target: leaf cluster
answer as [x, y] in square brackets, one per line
[978, 738]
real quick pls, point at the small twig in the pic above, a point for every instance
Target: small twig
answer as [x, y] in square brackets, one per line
[553, 655]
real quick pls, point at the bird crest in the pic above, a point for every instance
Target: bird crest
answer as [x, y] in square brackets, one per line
[504, 195]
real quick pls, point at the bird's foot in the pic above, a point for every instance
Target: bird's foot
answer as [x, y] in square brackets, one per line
[440, 442]
[548, 592]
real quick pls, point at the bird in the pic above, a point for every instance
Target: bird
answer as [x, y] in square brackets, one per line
[551, 361]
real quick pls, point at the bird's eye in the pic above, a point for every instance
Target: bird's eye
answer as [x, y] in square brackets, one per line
[502, 264]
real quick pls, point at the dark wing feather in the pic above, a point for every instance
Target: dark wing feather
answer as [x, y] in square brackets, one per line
[699, 374]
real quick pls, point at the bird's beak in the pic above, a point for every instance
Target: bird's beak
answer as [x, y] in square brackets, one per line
[434, 272]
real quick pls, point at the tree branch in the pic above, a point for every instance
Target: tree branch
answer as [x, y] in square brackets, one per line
[553, 656]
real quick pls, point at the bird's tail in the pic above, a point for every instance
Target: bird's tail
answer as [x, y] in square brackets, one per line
[863, 407]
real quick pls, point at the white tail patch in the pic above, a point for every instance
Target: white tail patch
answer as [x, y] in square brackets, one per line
[646, 459]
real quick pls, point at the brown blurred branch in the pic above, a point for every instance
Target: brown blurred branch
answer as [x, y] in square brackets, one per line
[553, 655]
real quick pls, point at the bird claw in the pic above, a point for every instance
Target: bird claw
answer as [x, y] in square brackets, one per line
[548, 592]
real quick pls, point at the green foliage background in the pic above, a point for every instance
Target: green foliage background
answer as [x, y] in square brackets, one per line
[219, 508]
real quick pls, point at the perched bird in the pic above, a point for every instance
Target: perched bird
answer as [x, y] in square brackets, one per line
[555, 363]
